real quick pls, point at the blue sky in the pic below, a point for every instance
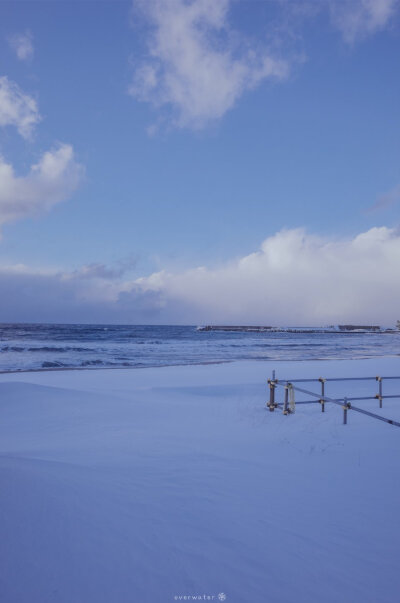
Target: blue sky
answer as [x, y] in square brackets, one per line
[183, 134]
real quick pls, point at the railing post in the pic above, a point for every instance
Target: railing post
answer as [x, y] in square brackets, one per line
[322, 400]
[272, 387]
[379, 394]
[271, 405]
[346, 406]
[286, 400]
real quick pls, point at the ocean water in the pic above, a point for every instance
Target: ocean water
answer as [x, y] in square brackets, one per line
[45, 346]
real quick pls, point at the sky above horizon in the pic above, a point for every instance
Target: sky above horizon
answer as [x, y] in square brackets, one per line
[171, 161]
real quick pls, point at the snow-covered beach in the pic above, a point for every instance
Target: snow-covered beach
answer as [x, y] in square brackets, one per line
[152, 485]
[199, 232]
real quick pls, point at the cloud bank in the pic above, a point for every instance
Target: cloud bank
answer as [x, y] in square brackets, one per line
[48, 182]
[17, 108]
[193, 65]
[293, 279]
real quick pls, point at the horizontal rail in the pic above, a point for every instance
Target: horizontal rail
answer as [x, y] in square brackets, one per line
[356, 378]
[376, 397]
[283, 381]
[342, 399]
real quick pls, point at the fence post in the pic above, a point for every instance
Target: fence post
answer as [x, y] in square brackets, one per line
[286, 400]
[379, 394]
[346, 405]
[322, 400]
[272, 387]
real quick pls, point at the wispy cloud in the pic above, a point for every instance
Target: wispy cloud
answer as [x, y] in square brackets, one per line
[101, 271]
[17, 108]
[193, 65]
[51, 180]
[386, 200]
[22, 45]
[197, 66]
[294, 278]
[357, 19]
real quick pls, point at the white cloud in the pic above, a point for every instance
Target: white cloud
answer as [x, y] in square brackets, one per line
[193, 65]
[294, 278]
[16, 108]
[357, 19]
[48, 182]
[197, 67]
[22, 44]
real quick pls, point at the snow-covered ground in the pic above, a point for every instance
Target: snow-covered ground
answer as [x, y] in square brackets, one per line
[136, 486]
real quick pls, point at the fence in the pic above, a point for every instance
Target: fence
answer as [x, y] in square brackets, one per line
[289, 403]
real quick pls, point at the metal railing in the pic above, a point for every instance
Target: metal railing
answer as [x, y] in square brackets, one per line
[321, 398]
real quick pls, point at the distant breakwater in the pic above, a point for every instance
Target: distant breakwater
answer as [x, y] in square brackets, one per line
[342, 329]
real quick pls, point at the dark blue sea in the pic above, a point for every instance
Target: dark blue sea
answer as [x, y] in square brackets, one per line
[45, 346]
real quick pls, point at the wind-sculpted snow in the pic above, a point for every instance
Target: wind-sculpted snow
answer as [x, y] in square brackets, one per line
[158, 484]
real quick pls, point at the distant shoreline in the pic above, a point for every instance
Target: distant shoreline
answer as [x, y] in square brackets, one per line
[340, 329]
[180, 365]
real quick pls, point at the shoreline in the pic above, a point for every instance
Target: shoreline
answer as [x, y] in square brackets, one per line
[205, 363]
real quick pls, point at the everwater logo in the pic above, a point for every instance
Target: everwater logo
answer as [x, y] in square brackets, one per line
[219, 597]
